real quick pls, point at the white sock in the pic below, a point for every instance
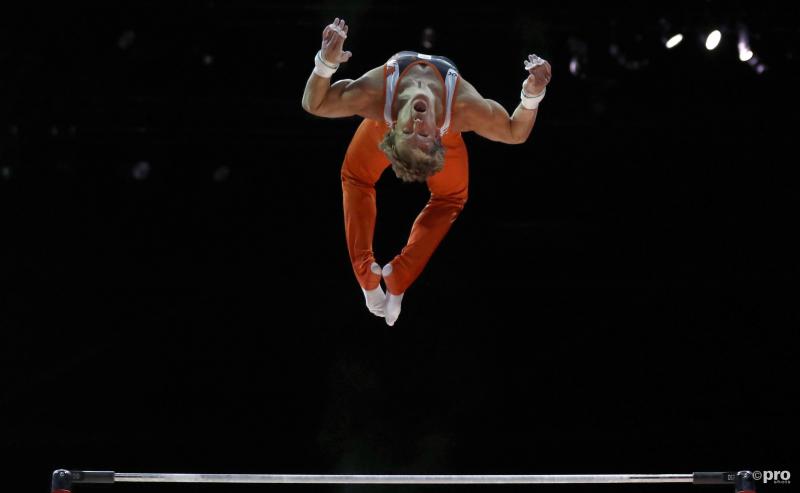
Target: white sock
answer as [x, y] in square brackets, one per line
[393, 301]
[375, 298]
[393, 307]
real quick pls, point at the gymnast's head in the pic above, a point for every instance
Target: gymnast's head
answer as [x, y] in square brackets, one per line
[413, 145]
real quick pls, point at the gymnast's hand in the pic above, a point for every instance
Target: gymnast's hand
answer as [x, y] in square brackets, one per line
[332, 41]
[540, 73]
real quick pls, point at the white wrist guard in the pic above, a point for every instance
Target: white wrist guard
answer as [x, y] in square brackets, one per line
[324, 68]
[528, 101]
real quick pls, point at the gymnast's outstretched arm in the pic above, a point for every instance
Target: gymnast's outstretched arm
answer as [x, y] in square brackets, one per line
[489, 119]
[346, 97]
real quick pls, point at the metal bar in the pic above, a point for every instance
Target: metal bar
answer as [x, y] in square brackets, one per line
[401, 478]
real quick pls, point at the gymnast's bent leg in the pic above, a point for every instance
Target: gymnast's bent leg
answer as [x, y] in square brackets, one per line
[449, 191]
[363, 164]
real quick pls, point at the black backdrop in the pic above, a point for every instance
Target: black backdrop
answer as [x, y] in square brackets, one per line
[618, 295]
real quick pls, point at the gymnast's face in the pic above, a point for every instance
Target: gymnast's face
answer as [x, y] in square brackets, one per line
[416, 123]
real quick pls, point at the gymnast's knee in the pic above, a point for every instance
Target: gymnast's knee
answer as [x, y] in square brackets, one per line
[456, 200]
[349, 177]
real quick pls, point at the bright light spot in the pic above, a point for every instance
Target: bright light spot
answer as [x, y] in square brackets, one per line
[713, 39]
[674, 41]
[745, 53]
[573, 66]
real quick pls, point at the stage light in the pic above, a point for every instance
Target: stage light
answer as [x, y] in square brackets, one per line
[573, 66]
[745, 53]
[578, 57]
[428, 37]
[670, 36]
[713, 39]
[140, 170]
[126, 39]
[630, 64]
[674, 41]
[222, 174]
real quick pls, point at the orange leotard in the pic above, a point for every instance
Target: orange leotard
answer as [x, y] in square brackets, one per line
[363, 165]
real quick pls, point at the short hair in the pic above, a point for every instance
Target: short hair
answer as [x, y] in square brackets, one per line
[419, 166]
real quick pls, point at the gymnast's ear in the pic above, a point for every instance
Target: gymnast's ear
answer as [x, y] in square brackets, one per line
[388, 144]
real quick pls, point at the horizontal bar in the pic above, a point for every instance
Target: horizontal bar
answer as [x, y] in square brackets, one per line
[402, 478]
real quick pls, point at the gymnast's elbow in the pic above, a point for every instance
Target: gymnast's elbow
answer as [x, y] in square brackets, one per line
[520, 139]
[511, 135]
[511, 140]
[319, 110]
[308, 109]
[327, 111]
[504, 137]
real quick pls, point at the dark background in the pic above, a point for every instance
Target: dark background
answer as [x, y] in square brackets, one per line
[618, 296]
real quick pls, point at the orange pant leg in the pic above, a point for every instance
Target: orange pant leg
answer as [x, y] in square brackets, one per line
[448, 195]
[363, 164]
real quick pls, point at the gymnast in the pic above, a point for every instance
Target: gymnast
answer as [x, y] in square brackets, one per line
[415, 108]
